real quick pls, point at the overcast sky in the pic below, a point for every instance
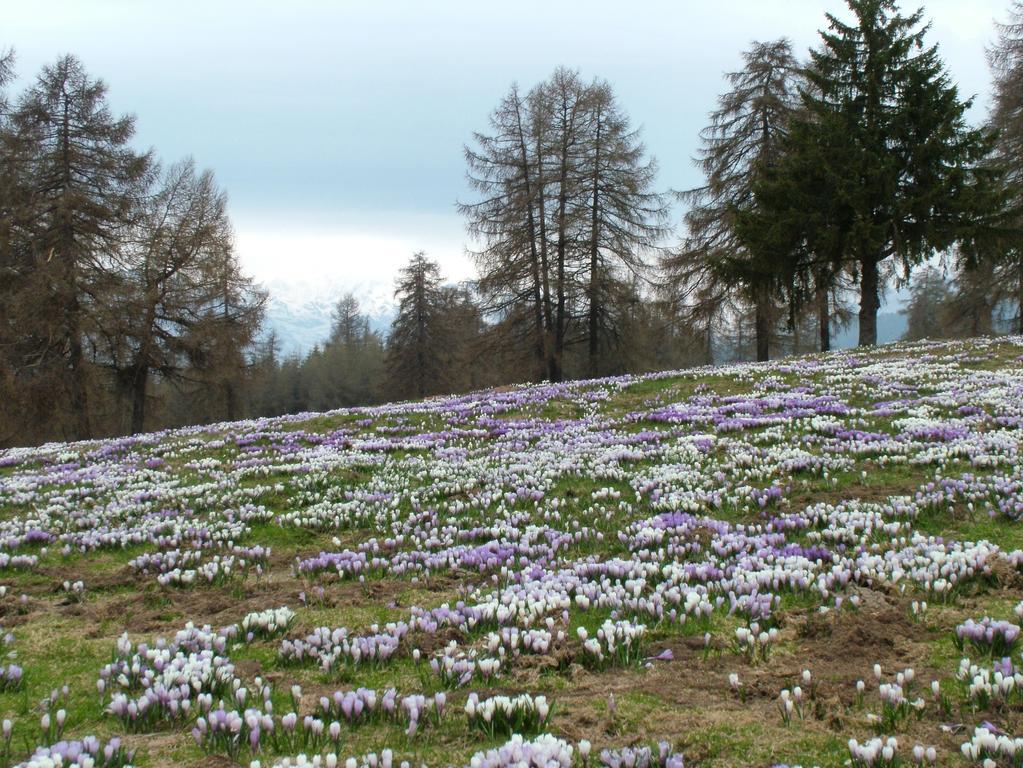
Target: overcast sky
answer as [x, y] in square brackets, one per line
[337, 127]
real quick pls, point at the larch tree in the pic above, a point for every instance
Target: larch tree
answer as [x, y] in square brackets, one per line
[1006, 61]
[84, 184]
[18, 344]
[624, 218]
[508, 221]
[566, 208]
[348, 325]
[928, 300]
[172, 272]
[218, 344]
[742, 142]
[567, 97]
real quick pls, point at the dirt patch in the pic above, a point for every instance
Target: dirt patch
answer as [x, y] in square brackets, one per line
[214, 761]
[691, 693]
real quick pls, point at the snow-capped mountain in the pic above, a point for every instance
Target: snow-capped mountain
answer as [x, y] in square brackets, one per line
[300, 311]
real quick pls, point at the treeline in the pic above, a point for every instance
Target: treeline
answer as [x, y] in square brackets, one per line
[441, 341]
[828, 178]
[961, 304]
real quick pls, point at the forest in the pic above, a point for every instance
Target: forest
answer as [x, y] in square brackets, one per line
[830, 176]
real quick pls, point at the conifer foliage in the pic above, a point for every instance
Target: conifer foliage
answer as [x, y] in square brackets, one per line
[880, 163]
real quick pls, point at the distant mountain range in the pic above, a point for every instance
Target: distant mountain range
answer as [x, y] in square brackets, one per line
[300, 311]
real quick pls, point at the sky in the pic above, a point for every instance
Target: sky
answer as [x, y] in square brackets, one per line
[338, 128]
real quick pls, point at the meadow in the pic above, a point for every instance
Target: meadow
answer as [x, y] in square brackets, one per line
[814, 561]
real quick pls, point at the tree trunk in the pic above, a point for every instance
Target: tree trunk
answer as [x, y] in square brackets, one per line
[594, 253]
[560, 307]
[1019, 293]
[870, 302]
[78, 395]
[545, 266]
[824, 319]
[539, 338]
[420, 332]
[762, 323]
[139, 384]
[560, 318]
[981, 310]
[231, 400]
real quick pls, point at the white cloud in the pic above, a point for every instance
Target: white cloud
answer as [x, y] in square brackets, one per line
[347, 254]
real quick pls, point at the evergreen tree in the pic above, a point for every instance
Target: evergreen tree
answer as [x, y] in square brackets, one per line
[353, 357]
[349, 325]
[417, 349]
[879, 164]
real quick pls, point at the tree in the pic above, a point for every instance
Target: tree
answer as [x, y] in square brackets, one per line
[742, 142]
[84, 182]
[349, 325]
[566, 206]
[177, 275]
[22, 381]
[624, 216]
[927, 306]
[417, 348]
[880, 163]
[1006, 61]
[217, 344]
[118, 289]
[971, 306]
[464, 326]
[510, 221]
[353, 357]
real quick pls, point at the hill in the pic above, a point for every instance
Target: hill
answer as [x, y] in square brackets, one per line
[751, 564]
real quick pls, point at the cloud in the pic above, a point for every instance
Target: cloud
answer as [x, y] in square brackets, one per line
[346, 254]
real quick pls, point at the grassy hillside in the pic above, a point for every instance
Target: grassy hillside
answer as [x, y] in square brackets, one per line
[663, 558]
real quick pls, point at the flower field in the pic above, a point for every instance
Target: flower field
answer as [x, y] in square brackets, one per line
[816, 561]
